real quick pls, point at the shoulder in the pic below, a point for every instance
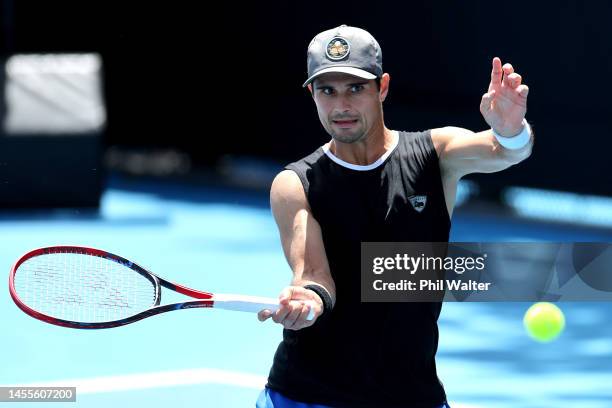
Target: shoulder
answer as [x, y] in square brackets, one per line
[309, 168]
[441, 137]
[287, 200]
[287, 189]
[416, 137]
[419, 143]
[307, 161]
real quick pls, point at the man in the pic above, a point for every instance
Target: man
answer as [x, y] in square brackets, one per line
[370, 183]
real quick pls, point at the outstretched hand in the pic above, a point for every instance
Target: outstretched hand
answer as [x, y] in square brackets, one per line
[505, 103]
[295, 303]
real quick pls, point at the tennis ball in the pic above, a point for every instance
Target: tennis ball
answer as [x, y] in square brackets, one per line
[544, 321]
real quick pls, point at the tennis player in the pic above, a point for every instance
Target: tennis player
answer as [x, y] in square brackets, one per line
[371, 183]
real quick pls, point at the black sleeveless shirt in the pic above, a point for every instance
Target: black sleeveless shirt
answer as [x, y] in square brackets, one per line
[368, 354]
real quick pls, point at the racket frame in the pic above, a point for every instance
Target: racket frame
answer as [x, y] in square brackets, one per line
[205, 299]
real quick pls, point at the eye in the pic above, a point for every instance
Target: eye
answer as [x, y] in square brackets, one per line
[356, 88]
[327, 90]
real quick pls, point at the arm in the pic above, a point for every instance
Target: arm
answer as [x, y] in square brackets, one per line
[503, 107]
[303, 246]
[462, 152]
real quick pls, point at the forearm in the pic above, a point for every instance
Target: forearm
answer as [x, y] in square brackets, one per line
[463, 152]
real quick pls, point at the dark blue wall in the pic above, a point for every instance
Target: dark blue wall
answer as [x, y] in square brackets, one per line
[175, 75]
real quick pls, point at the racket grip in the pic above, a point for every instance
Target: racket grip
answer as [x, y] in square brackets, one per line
[253, 304]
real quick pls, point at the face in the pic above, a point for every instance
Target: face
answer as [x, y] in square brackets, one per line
[349, 107]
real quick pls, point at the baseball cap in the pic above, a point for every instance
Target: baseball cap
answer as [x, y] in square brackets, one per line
[345, 49]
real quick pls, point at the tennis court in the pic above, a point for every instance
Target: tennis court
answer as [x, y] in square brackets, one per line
[225, 240]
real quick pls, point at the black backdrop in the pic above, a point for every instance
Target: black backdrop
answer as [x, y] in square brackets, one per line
[226, 78]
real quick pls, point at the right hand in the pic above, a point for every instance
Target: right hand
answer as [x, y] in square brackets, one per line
[293, 309]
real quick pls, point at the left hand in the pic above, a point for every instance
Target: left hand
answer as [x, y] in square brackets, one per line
[505, 103]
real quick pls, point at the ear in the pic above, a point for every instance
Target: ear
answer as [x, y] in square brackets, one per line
[309, 88]
[384, 86]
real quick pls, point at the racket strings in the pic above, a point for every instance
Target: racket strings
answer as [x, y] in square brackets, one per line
[82, 287]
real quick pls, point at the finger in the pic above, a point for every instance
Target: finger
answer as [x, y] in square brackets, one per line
[286, 295]
[293, 316]
[264, 315]
[514, 79]
[523, 90]
[508, 69]
[302, 322]
[496, 74]
[486, 102]
[306, 310]
[281, 314]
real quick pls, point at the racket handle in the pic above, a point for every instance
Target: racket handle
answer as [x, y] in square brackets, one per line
[253, 304]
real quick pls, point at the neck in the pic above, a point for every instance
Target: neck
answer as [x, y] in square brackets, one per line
[365, 151]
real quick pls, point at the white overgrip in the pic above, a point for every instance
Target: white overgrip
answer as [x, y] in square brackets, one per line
[252, 304]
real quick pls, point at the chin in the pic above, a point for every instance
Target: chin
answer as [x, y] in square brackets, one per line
[348, 138]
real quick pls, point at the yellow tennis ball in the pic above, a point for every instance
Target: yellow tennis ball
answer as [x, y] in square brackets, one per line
[544, 321]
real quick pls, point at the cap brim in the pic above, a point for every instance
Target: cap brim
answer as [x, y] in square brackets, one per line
[344, 70]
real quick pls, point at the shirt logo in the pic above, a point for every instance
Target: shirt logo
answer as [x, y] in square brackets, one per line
[418, 202]
[337, 49]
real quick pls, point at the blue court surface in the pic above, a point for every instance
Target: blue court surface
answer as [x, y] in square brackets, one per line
[225, 240]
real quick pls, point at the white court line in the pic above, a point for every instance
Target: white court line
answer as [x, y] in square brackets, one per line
[155, 380]
[163, 379]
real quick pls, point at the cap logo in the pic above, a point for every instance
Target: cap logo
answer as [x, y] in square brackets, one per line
[337, 49]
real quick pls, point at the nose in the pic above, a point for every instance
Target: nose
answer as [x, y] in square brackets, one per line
[344, 105]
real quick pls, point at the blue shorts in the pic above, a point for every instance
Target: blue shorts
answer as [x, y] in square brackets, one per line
[273, 399]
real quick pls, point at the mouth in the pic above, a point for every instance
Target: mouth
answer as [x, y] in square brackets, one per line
[345, 123]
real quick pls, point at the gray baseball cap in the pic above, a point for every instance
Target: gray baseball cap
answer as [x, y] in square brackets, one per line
[345, 49]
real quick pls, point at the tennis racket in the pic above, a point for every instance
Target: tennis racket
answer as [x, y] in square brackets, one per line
[87, 288]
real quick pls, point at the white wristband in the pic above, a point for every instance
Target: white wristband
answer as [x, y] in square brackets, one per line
[515, 142]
